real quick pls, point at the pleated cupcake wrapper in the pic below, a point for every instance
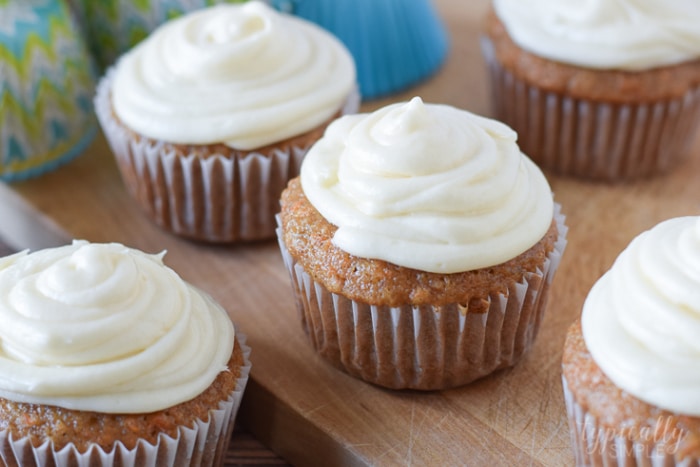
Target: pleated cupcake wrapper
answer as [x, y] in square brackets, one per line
[423, 347]
[598, 446]
[592, 139]
[215, 198]
[204, 444]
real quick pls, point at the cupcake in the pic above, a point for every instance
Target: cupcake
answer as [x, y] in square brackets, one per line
[630, 364]
[108, 358]
[47, 81]
[211, 115]
[421, 244]
[602, 91]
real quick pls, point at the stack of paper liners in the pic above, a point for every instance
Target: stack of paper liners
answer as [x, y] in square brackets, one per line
[47, 81]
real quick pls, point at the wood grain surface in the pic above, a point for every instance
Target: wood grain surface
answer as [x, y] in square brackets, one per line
[310, 413]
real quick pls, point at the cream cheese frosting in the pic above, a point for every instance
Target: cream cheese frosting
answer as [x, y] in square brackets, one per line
[106, 328]
[610, 34]
[427, 186]
[243, 75]
[641, 319]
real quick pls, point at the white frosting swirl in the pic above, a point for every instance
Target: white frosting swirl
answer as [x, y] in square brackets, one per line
[106, 328]
[641, 319]
[427, 186]
[612, 34]
[243, 75]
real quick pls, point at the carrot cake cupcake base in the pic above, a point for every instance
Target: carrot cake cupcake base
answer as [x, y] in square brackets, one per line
[610, 427]
[425, 346]
[606, 125]
[28, 439]
[211, 193]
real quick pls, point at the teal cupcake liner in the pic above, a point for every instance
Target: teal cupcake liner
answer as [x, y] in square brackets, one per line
[395, 43]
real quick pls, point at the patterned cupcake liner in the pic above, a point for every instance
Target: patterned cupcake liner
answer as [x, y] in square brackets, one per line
[202, 445]
[114, 26]
[423, 347]
[216, 198]
[596, 445]
[34, 167]
[591, 139]
[47, 80]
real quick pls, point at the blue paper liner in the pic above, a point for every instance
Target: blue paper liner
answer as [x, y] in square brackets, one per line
[395, 43]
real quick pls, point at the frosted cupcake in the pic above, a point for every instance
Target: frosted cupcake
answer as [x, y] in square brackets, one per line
[601, 90]
[109, 358]
[630, 366]
[47, 81]
[421, 244]
[395, 43]
[212, 114]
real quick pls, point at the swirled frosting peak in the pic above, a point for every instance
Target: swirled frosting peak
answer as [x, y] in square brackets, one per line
[641, 319]
[106, 328]
[614, 34]
[427, 186]
[244, 75]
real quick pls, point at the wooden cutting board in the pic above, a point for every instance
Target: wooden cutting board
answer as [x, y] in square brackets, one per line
[312, 414]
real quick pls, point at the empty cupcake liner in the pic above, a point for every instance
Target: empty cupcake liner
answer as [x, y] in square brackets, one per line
[217, 198]
[423, 347]
[395, 43]
[202, 445]
[593, 139]
[596, 445]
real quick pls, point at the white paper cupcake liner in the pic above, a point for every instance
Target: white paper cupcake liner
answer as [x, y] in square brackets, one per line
[423, 347]
[595, 445]
[202, 445]
[593, 139]
[215, 199]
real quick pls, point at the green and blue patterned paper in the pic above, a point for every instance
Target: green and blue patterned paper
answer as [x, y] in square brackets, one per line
[114, 26]
[46, 87]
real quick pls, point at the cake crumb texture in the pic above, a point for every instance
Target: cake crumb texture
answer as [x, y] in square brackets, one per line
[308, 237]
[616, 86]
[618, 411]
[82, 428]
